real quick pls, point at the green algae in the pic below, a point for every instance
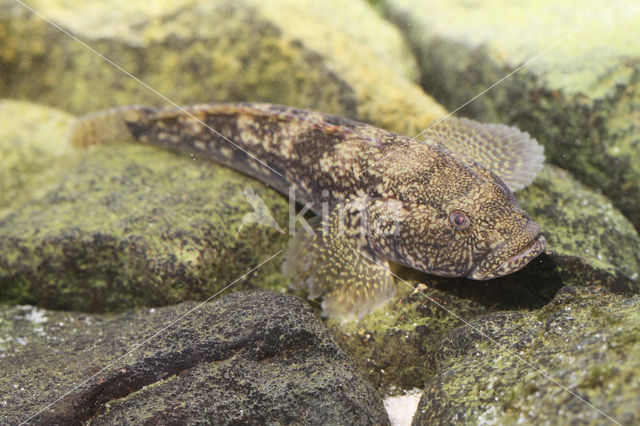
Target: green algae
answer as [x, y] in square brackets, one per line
[204, 53]
[572, 38]
[352, 27]
[395, 346]
[367, 52]
[580, 222]
[33, 149]
[132, 226]
[489, 380]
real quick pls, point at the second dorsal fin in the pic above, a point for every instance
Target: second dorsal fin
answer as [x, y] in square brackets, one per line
[510, 153]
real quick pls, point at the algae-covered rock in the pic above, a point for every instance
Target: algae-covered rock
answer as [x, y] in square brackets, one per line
[34, 151]
[531, 367]
[396, 346]
[592, 242]
[136, 226]
[122, 226]
[251, 357]
[354, 64]
[579, 95]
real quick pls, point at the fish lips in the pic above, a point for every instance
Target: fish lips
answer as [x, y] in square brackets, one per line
[506, 262]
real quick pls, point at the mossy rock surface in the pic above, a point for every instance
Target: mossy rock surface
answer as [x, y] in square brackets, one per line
[585, 232]
[250, 357]
[525, 367]
[34, 151]
[355, 64]
[136, 226]
[580, 96]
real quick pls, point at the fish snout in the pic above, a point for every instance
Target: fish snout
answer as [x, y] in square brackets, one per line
[512, 256]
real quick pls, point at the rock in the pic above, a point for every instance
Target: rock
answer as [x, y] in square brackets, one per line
[128, 226]
[590, 240]
[34, 151]
[355, 64]
[250, 357]
[503, 368]
[396, 346]
[579, 98]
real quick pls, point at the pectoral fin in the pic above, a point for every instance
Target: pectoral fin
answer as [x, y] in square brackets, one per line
[337, 265]
[511, 154]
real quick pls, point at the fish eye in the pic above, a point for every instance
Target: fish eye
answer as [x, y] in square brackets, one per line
[459, 221]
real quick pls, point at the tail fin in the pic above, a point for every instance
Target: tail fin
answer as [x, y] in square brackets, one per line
[105, 127]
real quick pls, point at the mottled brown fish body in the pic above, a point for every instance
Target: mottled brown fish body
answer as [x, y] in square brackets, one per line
[425, 204]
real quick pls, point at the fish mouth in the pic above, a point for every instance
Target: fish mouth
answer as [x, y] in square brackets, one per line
[500, 262]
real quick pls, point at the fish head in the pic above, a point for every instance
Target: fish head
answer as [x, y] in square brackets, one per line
[500, 237]
[465, 222]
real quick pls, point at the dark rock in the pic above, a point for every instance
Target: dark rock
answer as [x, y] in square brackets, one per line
[251, 357]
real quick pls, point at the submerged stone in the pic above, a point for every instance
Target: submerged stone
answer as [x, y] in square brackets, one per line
[34, 151]
[122, 226]
[578, 93]
[590, 241]
[574, 361]
[250, 357]
[136, 226]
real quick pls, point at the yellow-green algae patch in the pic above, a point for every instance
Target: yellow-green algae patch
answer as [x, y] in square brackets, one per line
[189, 52]
[284, 52]
[34, 151]
[572, 34]
[580, 97]
[365, 51]
[133, 226]
[395, 346]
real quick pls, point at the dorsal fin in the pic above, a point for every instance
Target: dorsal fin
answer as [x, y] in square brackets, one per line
[510, 153]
